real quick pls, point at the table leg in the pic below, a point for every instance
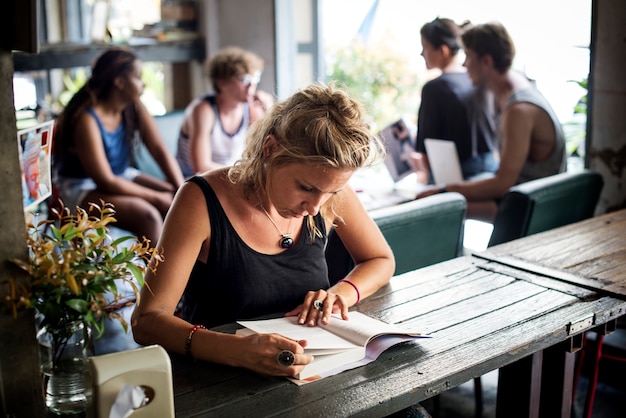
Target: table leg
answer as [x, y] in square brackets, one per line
[557, 382]
[519, 386]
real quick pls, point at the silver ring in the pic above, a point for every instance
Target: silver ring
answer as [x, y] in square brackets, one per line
[286, 358]
[318, 304]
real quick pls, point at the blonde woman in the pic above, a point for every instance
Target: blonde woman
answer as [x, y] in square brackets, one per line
[249, 240]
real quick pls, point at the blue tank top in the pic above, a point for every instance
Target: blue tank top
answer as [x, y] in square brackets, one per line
[240, 283]
[116, 148]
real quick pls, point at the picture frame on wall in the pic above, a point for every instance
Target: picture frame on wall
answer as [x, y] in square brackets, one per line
[35, 146]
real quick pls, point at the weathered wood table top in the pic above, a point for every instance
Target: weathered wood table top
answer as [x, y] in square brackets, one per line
[593, 252]
[482, 315]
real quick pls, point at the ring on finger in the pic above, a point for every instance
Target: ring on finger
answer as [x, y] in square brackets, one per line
[286, 358]
[318, 305]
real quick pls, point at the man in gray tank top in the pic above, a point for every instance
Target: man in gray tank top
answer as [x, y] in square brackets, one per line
[532, 144]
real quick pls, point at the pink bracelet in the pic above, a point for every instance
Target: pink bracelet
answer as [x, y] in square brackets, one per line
[358, 294]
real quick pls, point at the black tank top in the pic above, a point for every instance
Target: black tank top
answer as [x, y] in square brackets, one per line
[240, 283]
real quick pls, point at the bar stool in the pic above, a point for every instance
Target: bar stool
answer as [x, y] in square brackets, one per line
[595, 347]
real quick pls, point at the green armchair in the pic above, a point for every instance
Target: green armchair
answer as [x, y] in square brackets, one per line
[546, 203]
[420, 232]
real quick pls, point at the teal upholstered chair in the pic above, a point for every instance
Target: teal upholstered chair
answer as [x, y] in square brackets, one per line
[169, 126]
[546, 203]
[420, 232]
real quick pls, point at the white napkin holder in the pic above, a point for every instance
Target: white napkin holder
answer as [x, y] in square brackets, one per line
[149, 367]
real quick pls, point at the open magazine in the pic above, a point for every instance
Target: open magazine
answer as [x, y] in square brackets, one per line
[340, 345]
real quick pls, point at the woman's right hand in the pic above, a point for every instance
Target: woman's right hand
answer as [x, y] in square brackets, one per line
[260, 354]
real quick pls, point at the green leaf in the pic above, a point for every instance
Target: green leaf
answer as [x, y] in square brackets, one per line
[123, 239]
[137, 273]
[79, 305]
[74, 252]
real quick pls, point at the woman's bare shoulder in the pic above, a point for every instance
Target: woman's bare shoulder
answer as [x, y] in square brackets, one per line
[219, 181]
[87, 126]
[228, 193]
[347, 206]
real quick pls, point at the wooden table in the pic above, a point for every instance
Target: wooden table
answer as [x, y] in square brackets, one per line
[591, 253]
[483, 314]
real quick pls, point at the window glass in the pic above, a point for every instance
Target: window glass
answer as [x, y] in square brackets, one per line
[372, 40]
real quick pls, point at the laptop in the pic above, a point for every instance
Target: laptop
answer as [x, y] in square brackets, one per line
[444, 161]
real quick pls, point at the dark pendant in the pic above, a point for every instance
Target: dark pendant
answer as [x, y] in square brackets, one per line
[286, 241]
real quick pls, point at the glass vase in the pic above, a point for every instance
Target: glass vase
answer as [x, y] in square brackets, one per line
[64, 350]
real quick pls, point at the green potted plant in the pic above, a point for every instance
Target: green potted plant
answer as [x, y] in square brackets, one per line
[76, 270]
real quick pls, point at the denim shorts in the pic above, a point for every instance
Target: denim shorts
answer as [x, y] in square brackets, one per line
[73, 191]
[480, 164]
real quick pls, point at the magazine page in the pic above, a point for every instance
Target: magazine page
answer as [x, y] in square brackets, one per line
[337, 334]
[360, 328]
[340, 345]
[324, 359]
[317, 337]
[308, 350]
[374, 349]
[323, 363]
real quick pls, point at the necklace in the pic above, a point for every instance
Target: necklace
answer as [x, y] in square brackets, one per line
[286, 241]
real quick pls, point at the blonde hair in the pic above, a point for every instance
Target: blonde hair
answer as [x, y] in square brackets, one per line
[319, 126]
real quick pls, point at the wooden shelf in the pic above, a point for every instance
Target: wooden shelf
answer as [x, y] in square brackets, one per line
[69, 55]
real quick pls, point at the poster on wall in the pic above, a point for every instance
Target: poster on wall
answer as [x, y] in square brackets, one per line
[35, 144]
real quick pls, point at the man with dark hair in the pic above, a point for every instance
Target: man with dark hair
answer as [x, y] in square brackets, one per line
[532, 143]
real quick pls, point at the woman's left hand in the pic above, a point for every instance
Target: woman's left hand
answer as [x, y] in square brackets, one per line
[318, 306]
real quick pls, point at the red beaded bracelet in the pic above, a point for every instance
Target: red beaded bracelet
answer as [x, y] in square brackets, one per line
[358, 294]
[189, 337]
